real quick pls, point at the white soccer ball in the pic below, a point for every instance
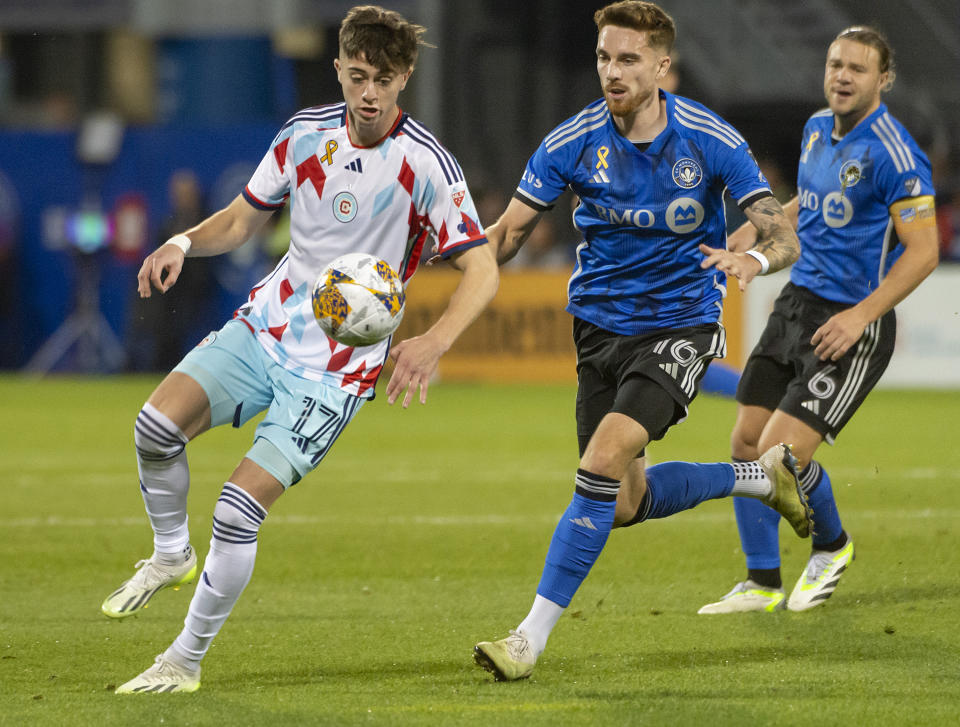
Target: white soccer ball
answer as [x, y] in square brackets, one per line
[358, 299]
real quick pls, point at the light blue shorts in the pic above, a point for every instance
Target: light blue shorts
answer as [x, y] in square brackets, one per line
[304, 417]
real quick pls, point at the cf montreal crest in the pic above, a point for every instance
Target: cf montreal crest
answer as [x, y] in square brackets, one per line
[687, 173]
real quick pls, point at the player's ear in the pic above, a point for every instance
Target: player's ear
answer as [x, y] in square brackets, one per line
[405, 77]
[336, 65]
[663, 66]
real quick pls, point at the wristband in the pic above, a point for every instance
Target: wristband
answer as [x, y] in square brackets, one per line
[181, 241]
[760, 258]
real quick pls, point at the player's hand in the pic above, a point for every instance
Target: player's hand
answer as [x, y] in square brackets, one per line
[738, 264]
[166, 260]
[835, 337]
[416, 362]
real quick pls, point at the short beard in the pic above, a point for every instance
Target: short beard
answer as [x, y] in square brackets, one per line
[626, 107]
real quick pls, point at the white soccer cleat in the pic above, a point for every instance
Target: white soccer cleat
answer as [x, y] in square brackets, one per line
[133, 595]
[748, 596]
[785, 496]
[508, 659]
[164, 677]
[820, 578]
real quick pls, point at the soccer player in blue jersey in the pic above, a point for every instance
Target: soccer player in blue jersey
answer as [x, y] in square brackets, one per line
[865, 216]
[650, 169]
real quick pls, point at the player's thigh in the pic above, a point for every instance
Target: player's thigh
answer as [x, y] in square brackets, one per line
[300, 427]
[184, 401]
[230, 367]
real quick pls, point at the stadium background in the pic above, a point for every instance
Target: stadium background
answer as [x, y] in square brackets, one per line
[425, 529]
[102, 101]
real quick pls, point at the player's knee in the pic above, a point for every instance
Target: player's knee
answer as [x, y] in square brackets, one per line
[605, 461]
[237, 516]
[156, 437]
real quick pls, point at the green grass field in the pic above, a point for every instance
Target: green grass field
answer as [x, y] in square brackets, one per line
[425, 531]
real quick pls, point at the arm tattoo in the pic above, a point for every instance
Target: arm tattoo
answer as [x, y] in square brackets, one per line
[776, 238]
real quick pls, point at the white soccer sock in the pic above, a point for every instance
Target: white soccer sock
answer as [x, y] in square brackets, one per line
[750, 480]
[233, 550]
[164, 478]
[538, 624]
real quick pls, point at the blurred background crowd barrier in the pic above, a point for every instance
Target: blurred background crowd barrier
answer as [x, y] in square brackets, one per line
[123, 121]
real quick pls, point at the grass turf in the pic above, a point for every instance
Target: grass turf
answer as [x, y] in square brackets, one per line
[425, 531]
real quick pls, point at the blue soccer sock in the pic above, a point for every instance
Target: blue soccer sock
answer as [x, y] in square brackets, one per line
[579, 537]
[673, 487]
[759, 528]
[815, 482]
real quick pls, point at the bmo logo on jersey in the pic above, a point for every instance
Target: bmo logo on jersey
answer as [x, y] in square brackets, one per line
[837, 210]
[684, 215]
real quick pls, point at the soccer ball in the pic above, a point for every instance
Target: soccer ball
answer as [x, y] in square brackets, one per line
[358, 299]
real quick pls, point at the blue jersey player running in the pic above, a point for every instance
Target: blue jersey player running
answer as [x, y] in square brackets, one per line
[650, 169]
[865, 217]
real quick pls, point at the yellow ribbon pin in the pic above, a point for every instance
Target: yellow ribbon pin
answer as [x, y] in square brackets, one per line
[330, 147]
[602, 156]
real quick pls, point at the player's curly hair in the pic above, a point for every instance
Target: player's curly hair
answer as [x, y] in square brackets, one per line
[640, 15]
[383, 38]
[875, 39]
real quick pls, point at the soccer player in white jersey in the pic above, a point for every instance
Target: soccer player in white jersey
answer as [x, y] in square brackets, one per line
[359, 176]
[866, 220]
[650, 169]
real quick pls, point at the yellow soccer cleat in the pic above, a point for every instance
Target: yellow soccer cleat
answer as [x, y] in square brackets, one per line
[508, 659]
[748, 596]
[785, 496]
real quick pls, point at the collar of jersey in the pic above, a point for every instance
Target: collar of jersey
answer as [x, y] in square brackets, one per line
[858, 130]
[660, 139]
[393, 129]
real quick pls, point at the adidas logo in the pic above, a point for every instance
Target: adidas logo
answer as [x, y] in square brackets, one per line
[811, 405]
[583, 522]
[671, 368]
[601, 177]
[354, 166]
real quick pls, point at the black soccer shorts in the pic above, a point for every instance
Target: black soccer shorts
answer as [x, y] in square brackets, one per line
[651, 378]
[783, 372]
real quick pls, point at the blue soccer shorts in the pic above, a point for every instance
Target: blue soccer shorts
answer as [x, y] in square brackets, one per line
[304, 417]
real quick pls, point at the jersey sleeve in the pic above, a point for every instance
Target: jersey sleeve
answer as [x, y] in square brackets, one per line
[902, 170]
[269, 186]
[544, 179]
[740, 173]
[450, 211]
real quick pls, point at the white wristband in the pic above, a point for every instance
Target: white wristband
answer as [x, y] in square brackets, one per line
[181, 241]
[760, 258]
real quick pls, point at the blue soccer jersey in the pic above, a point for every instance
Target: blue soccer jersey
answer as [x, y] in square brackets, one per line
[845, 189]
[644, 213]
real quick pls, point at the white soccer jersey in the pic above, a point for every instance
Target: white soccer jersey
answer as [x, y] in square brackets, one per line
[385, 199]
